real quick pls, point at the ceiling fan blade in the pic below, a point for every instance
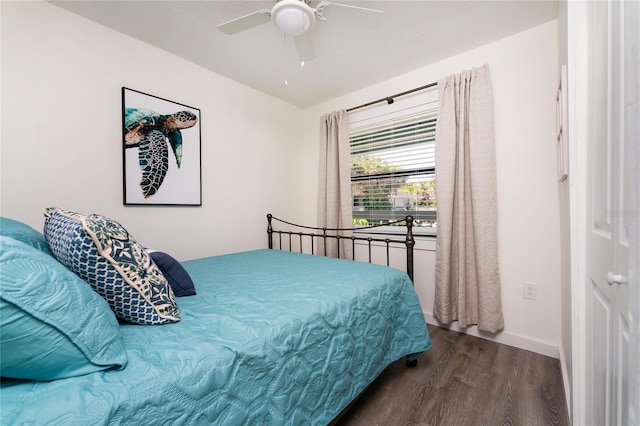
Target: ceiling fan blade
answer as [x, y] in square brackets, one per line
[304, 46]
[245, 22]
[366, 9]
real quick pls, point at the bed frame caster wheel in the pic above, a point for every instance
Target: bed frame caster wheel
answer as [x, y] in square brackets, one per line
[412, 360]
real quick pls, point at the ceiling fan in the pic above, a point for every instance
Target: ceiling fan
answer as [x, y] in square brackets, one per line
[295, 18]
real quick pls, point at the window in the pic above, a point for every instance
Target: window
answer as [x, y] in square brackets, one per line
[393, 161]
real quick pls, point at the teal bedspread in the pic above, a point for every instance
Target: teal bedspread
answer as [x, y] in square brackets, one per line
[271, 338]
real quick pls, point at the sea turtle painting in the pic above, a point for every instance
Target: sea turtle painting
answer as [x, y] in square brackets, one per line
[150, 132]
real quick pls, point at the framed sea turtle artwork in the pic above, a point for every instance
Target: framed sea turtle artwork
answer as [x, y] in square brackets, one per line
[161, 151]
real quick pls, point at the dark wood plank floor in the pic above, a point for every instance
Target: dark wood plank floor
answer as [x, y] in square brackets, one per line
[465, 380]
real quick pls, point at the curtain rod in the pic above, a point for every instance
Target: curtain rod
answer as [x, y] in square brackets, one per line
[389, 99]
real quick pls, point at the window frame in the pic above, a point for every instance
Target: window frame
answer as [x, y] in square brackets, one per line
[423, 102]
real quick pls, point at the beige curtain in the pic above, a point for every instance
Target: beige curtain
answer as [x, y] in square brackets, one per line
[334, 189]
[467, 275]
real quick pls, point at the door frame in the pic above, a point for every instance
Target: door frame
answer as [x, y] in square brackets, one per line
[577, 57]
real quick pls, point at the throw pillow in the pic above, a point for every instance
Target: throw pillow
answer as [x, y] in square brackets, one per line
[119, 269]
[179, 279]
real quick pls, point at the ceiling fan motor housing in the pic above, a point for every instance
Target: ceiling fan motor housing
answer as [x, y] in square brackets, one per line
[293, 17]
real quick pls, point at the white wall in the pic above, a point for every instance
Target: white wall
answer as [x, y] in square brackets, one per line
[524, 73]
[62, 139]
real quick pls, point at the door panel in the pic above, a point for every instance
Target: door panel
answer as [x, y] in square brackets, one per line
[621, 393]
[607, 235]
[600, 353]
[601, 195]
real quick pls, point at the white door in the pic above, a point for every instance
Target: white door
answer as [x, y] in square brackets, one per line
[607, 247]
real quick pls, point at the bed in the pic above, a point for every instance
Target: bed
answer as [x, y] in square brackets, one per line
[270, 337]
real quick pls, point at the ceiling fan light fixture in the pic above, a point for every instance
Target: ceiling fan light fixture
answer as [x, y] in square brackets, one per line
[293, 17]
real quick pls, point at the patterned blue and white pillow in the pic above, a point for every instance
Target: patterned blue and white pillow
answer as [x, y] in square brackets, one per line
[103, 253]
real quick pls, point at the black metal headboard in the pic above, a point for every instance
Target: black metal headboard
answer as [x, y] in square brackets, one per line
[333, 233]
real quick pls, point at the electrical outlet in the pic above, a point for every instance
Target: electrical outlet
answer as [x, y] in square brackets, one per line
[530, 291]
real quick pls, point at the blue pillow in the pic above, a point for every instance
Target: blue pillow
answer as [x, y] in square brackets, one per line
[119, 269]
[23, 232]
[53, 324]
[179, 279]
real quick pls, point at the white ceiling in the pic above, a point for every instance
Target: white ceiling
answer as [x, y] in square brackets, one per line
[354, 49]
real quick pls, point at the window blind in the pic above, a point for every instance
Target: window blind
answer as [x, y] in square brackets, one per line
[393, 166]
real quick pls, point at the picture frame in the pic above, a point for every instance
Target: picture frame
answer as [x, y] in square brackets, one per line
[562, 142]
[161, 151]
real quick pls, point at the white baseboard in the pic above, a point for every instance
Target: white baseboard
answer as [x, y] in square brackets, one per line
[503, 337]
